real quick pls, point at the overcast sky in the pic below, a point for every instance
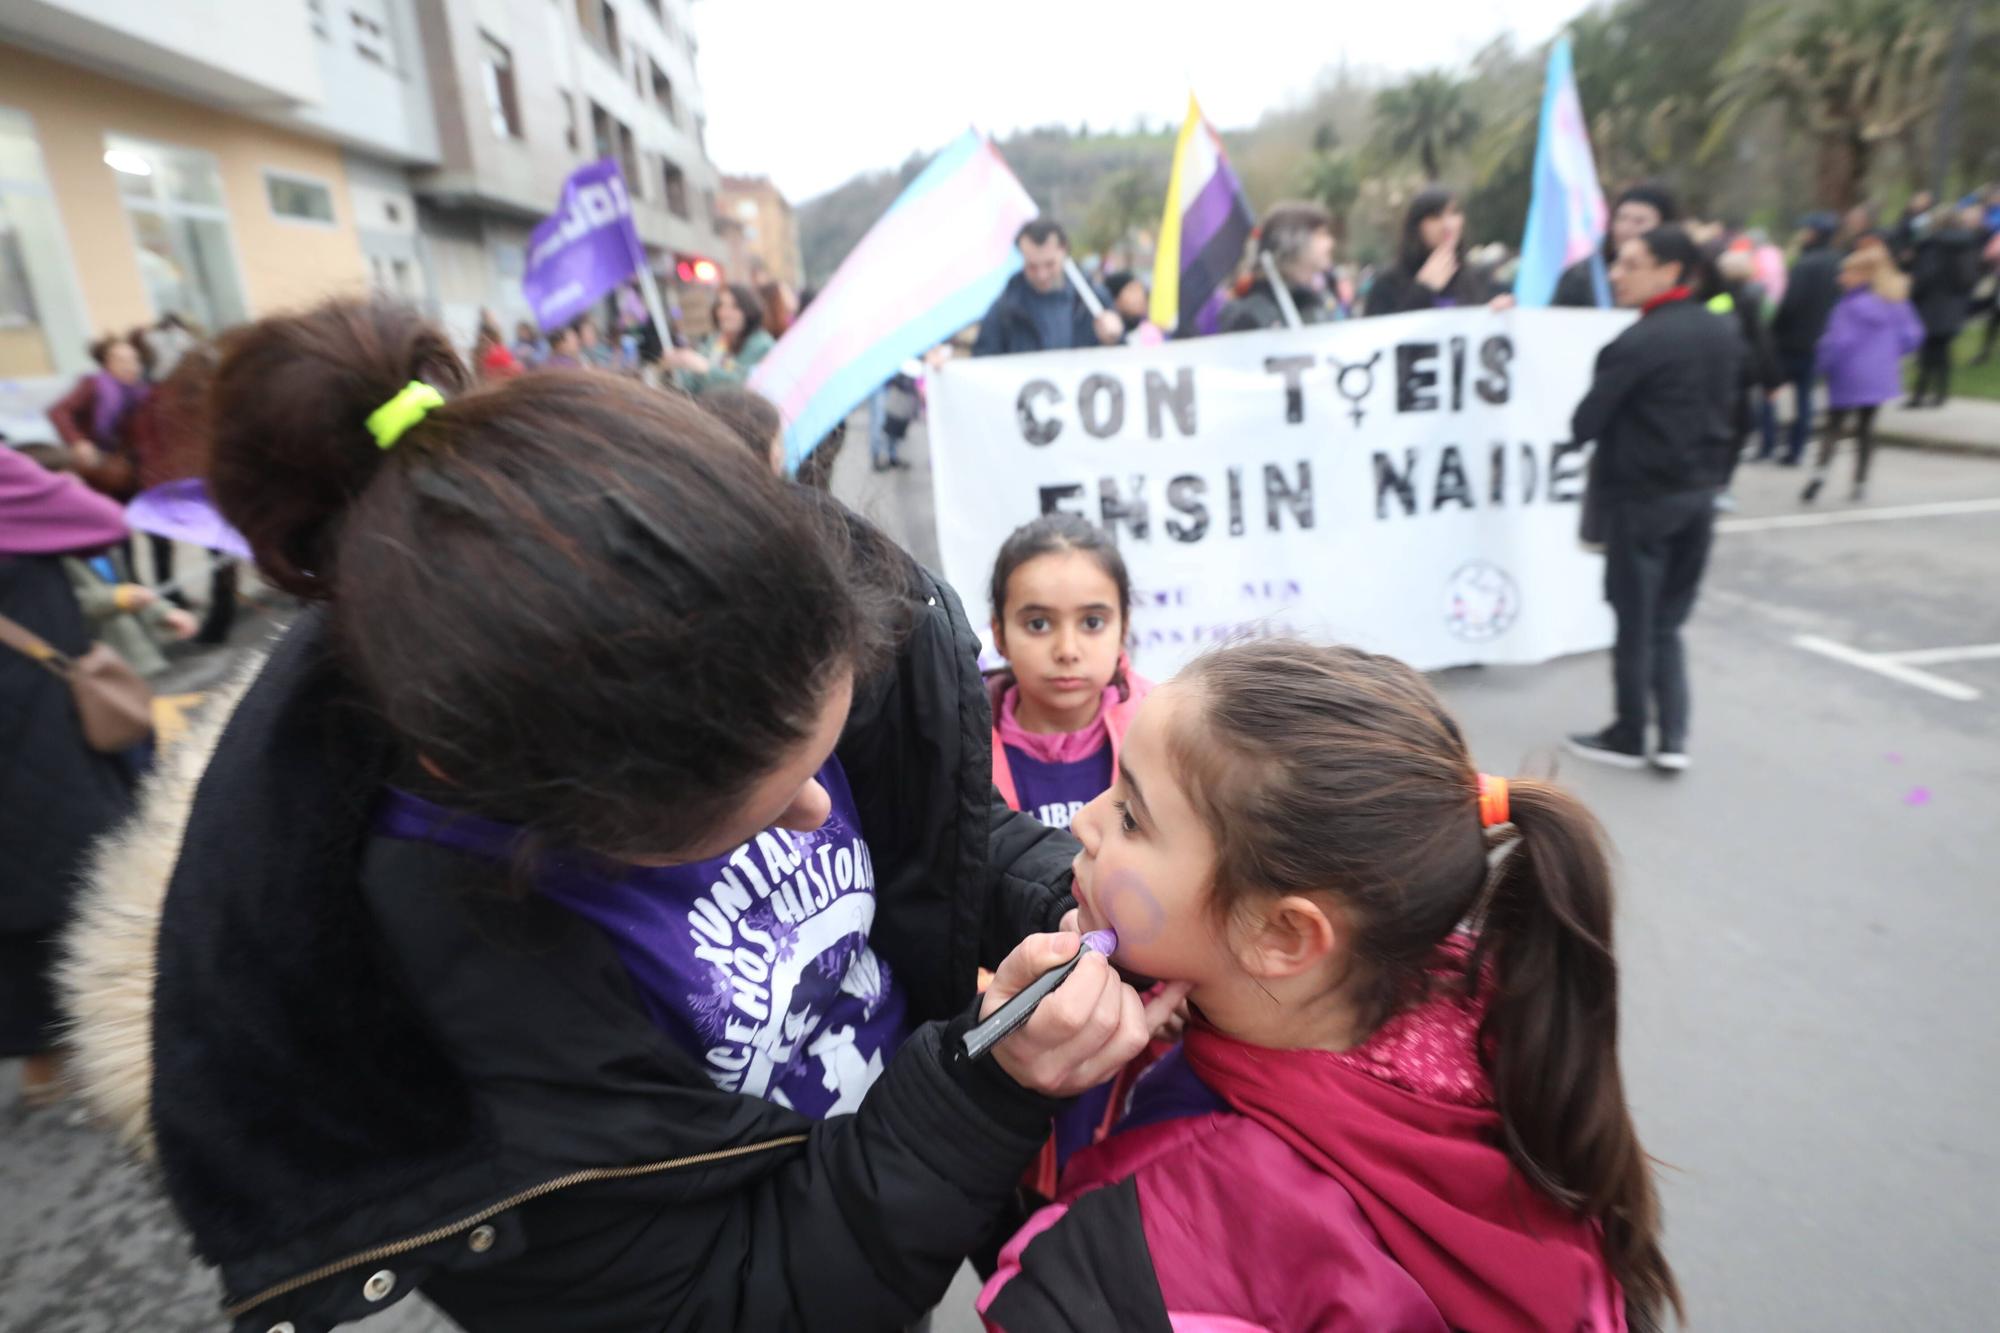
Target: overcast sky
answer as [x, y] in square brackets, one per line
[809, 92]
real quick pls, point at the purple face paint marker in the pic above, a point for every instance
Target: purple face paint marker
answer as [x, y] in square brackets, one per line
[984, 1035]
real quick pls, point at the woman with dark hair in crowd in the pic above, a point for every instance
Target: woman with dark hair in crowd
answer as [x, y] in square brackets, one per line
[1431, 272]
[729, 354]
[57, 794]
[1637, 210]
[94, 418]
[491, 355]
[575, 915]
[1297, 238]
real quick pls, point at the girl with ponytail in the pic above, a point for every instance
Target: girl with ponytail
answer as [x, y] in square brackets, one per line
[1398, 1105]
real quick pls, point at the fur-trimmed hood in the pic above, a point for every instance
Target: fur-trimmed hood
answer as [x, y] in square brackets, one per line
[110, 950]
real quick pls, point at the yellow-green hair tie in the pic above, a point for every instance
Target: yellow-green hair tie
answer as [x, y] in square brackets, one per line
[388, 422]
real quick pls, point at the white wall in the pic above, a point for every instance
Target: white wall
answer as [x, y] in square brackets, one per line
[241, 54]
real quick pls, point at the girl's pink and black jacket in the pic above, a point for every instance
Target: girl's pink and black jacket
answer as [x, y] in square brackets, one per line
[1249, 1189]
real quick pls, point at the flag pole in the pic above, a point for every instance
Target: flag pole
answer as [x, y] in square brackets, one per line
[1084, 290]
[1282, 292]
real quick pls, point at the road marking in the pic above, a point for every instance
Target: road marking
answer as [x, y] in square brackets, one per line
[1972, 652]
[1888, 666]
[1885, 514]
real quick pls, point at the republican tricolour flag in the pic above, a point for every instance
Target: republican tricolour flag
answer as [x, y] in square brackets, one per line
[930, 266]
[1566, 214]
[1202, 233]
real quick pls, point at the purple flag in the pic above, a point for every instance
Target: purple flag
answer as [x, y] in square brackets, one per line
[587, 247]
[182, 511]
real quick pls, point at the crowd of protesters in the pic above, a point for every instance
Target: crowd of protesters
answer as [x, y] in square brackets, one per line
[733, 696]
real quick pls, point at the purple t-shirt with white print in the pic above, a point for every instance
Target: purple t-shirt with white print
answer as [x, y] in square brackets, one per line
[1053, 792]
[756, 962]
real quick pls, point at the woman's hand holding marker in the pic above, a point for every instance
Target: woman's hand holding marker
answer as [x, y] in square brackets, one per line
[1085, 1031]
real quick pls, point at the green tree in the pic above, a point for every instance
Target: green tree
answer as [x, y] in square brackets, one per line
[1854, 74]
[1425, 117]
[1333, 180]
[1127, 200]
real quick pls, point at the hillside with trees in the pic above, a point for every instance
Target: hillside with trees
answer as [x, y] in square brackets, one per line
[1756, 110]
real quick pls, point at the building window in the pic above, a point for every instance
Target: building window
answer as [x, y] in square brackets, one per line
[658, 12]
[371, 39]
[42, 329]
[663, 92]
[677, 189]
[173, 197]
[316, 9]
[299, 198]
[599, 22]
[628, 154]
[569, 120]
[501, 105]
[603, 137]
[708, 206]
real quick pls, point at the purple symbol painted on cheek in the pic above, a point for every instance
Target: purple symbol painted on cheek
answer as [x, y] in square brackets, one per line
[1131, 908]
[1917, 796]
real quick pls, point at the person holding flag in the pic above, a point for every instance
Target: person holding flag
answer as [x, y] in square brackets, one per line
[1295, 244]
[1045, 307]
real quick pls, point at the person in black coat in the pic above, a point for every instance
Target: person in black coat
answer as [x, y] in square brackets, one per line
[1662, 409]
[1731, 290]
[1038, 310]
[1941, 282]
[56, 793]
[1637, 210]
[1430, 272]
[1810, 293]
[460, 985]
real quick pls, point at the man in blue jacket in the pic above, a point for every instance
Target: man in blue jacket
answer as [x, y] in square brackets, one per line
[1038, 311]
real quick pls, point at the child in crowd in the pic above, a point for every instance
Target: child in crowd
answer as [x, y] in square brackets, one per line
[1062, 603]
[1871, 330]
[1398, 1106]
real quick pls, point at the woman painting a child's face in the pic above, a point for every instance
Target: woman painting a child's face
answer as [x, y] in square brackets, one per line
[1147, 869]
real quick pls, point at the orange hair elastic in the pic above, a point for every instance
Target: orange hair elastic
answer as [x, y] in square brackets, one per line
[1493, 801]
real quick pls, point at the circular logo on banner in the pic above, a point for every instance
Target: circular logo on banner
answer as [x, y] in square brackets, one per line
[1481, 601]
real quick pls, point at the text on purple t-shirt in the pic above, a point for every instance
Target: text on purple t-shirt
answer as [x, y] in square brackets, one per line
[756, 962]
[1054, 792]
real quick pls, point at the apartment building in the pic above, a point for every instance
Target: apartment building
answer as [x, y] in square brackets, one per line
[213, 159]
[528, 90]
[761, 231]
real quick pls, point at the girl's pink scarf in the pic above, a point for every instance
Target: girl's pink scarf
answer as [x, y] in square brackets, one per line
[1055, 747]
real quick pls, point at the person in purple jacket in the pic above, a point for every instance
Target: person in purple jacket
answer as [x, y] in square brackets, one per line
[1872, 329]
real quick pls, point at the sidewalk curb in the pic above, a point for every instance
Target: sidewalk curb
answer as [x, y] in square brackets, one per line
[1931, 444]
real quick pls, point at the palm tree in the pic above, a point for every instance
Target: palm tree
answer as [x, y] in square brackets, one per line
[1426, 117]
[1333, 178]
[1852, 73]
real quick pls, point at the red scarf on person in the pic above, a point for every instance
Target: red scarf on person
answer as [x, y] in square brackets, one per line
[1406, 1123]
[1667, 297]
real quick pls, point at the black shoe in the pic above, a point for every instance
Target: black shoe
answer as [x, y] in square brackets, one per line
[1811, 492]
[1671, 759]
[899, 465]
[1599, 747]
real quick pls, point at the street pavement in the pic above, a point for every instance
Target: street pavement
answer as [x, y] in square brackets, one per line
[1808, 922]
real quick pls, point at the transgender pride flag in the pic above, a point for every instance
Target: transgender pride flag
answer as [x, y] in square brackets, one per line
[1566, 216]
[1202, 234]
[930, 266]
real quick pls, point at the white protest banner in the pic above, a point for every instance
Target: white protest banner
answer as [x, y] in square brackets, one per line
[1406, 484]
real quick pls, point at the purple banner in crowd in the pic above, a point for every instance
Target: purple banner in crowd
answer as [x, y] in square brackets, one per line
[586, 248]
[182, 510]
